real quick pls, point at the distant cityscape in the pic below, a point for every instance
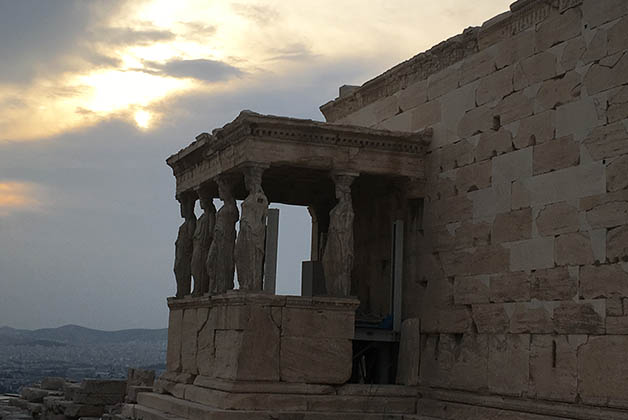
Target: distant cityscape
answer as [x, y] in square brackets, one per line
[76, 353]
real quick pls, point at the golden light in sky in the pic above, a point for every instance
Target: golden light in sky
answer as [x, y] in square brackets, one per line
[142, 118]
[111, 91]
[172, 48]
[18, 196]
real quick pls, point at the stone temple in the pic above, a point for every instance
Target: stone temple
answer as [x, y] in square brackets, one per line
[469, 254]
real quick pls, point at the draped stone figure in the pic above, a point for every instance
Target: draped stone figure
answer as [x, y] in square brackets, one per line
[183, 248]
[203, 237]
[220, 264]
[338, 255]
[249, 250]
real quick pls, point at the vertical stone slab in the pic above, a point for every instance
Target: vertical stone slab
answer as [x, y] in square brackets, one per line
[188, 341]
[508, 364]
[205, 342]
[602, 371]
[315, 360]
[409, 352]
[175, 330]
[554, 367]
[228, 344]
[270, 260]
[259, 352]
[316, 340]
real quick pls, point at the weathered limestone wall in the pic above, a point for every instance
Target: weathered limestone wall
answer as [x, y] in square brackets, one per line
[521, 277]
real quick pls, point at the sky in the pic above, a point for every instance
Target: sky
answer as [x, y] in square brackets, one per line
[95, 95]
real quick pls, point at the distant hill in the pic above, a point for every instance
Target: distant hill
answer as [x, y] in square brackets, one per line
[77, 335]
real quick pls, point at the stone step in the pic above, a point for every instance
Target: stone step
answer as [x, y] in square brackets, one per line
[140, 412]
[177, 408]
[366, 403]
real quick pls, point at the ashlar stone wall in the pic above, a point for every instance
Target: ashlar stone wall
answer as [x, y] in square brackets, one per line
[521, 279]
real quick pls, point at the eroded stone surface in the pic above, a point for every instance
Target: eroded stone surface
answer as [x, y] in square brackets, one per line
[532, 254]
[616, 171]
[510, 287]
[582, 317]
[175, 326]
[554, 367]
[617, 244]
[328, 360]
[490, 318]
[573, 249]
[608, 141]
[557, 154]
[535, 69]
[508, 353]
[606, 210]
[536, 129]
[558, 91]
[409, 352]
[603, 281]
[493, 144]
[554, 284]
[602, 370]
[471, 290]
[558, 218]
[513, 226]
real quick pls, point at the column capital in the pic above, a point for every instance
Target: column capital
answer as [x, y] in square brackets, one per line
[340, 173]
[186, 196]
[253, 164]
[204, 191]
[226, 182]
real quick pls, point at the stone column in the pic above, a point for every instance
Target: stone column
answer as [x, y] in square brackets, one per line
[220, 265]
[184, 245]
[249, 251]
[338, 255]
[203, 237]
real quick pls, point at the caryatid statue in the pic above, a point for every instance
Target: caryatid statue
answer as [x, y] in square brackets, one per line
[249, 250]
[220, 264]
[203, 237]
[338, 255]
[183, 247]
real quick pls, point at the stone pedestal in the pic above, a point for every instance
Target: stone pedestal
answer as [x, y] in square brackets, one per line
[240, 336]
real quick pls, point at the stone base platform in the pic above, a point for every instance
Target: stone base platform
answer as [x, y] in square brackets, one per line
[295, 401]
[243, 336]
[456, 405]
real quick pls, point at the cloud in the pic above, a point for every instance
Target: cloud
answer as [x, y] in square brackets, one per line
[129, 36]
[262, 15]
[201, 69]
[19, 196]
[198, 31]
[297, 51]
[40, 37]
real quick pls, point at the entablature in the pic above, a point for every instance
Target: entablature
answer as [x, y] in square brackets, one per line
[297, 147]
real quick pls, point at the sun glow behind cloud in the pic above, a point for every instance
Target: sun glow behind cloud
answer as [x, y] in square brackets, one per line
[16, 196]
[110, 91]
[158, 49]
[142, 118]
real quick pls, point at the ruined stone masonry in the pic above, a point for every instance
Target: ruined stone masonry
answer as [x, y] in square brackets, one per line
[57, 399]
[483, 184]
